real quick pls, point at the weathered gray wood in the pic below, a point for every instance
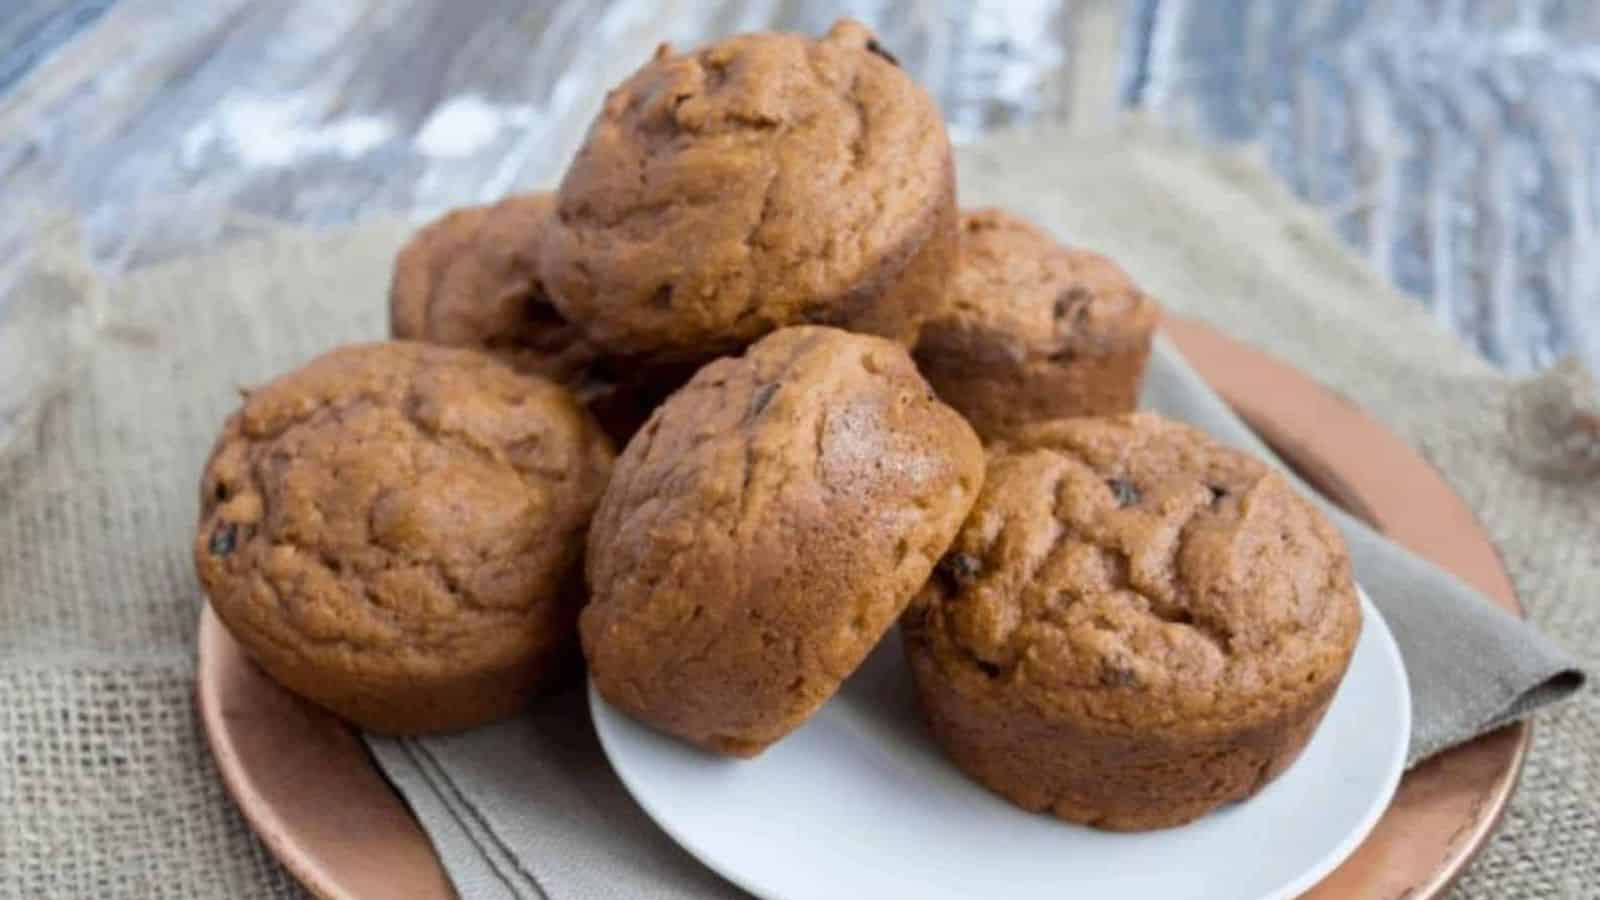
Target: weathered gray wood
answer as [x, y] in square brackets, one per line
[1463, 169]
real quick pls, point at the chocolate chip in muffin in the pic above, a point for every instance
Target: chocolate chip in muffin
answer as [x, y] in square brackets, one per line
[762, 396]
[1073, 303]
[1114, 675]
[955, 570]
[223, 539]
[874, 47]
[1125, 491]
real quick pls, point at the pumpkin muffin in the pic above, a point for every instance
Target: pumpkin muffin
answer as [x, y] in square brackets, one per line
[1135, 626]
[470, 279]
[395, 532]
[764, 181]
[1034, 330]
[766, 527]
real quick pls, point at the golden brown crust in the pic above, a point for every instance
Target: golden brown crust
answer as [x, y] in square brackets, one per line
[763, 531]
[1134, 626]
[764, 181]
[1033, 330]
[470, 279]
[394, 531]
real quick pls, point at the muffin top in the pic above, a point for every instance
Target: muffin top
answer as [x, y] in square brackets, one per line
[1132, 573]
[400, 507]
[763, 181]
[469, 279]
[1020, 296]
[765, 528]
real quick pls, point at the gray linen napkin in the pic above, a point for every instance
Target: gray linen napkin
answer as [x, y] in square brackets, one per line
[529, 808]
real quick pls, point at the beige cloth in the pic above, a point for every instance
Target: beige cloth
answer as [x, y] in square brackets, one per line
[106, 789]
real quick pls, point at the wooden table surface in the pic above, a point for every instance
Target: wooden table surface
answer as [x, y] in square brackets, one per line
[1451, 143]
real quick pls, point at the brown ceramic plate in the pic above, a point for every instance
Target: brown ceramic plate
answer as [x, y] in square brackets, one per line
[307, 785]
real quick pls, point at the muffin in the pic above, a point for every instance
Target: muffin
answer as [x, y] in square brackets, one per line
[764, 181]
[1135, 626]
[470, 279]
[766, 527]
[395, 532]
[1034, 330]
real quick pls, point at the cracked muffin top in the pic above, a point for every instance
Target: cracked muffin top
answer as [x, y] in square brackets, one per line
[765, 528]
[469, 279]
[399, 509]
[1133, 573]
[766, 180]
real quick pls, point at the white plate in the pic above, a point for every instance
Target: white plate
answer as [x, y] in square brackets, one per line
[860, 803]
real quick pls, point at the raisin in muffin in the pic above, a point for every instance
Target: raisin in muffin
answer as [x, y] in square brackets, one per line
[1034, 330]
[395, 532]
[766, 527]
[763, 181]
[470, 279]
[1135, 625]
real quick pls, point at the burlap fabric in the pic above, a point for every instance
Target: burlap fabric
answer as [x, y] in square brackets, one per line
[106, 789]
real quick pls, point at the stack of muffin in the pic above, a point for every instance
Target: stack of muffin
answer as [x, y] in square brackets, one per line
[843, 403]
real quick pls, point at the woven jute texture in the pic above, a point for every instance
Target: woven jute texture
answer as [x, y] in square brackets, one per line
[106, 787]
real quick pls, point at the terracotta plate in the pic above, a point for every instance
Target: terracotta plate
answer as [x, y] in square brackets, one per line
[307, 785]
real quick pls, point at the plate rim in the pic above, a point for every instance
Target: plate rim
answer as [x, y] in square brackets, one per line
[221, 664]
